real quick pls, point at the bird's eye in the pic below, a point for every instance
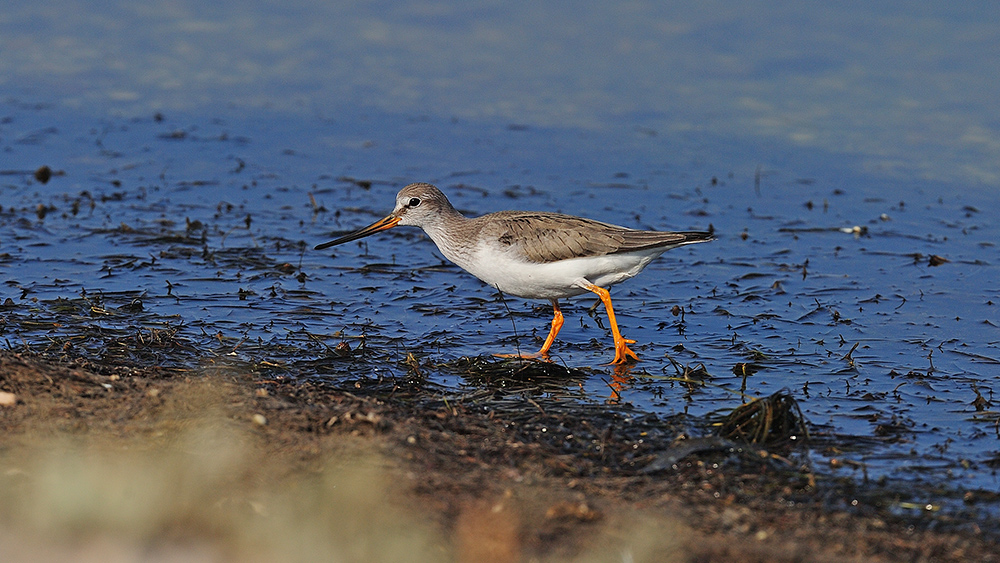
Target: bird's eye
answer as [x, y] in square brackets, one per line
[414, 201]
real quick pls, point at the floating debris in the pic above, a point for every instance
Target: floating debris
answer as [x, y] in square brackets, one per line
[744, 369]
[857, 230]
[773, 420]
[43, 174]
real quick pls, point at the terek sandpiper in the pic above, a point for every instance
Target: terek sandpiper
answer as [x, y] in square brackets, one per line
[532, 254]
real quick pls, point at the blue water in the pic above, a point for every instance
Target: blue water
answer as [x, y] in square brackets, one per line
[205, 152]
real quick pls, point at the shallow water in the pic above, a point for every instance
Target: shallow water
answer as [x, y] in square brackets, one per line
[190, 190]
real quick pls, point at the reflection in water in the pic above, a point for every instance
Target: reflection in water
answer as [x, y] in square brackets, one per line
[621, 380]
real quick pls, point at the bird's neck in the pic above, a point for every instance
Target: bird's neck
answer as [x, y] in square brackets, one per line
[453, 233]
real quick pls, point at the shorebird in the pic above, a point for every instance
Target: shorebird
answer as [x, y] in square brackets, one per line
[533, 254]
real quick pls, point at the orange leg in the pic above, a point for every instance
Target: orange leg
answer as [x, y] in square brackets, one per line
[622, 352]
[557, 323]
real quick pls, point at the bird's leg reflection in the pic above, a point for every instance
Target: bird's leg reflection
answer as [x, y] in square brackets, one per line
[621, 379]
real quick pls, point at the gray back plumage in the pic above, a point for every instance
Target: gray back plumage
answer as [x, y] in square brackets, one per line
[548, 237]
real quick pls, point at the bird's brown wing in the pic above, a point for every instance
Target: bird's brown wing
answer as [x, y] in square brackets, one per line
[548, 237]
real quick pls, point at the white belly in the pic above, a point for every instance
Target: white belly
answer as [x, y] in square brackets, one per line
[552, 280]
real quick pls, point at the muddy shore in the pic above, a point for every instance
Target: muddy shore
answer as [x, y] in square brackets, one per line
[120, 463]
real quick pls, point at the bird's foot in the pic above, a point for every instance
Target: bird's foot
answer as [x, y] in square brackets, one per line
[624, 354]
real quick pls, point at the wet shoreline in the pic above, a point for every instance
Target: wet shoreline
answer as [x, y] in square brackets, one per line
[552, 474]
